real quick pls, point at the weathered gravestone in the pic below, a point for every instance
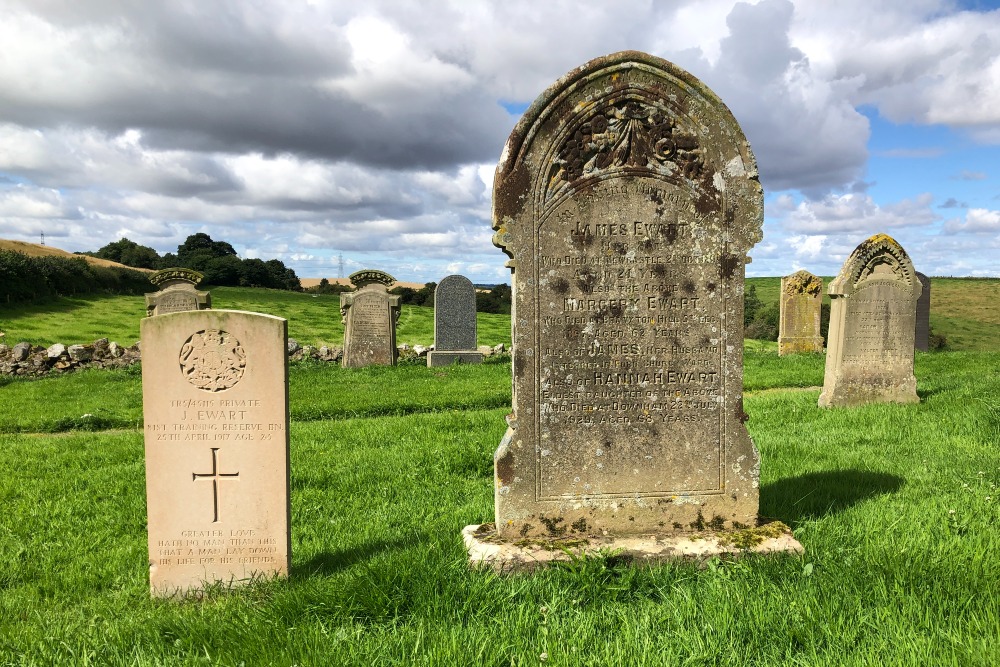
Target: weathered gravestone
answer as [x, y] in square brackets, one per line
[215, 404]
[176, 292]
[801, 300]
[454, 323]
[370, 315]
[627, 199]
[922, 327]
[869, 352]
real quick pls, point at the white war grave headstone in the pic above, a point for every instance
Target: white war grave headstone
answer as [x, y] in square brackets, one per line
[176, 292]
[215, 406]
[369, 315]
[454, 323]
[626, 199]
[869, 352]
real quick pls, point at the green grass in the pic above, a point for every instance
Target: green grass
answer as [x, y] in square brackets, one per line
[896, 506]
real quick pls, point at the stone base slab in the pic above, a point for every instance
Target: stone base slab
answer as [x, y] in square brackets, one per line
[448, 357]
[486, 549]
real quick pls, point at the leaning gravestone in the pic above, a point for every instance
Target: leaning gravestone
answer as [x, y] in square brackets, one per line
[369, 315]
[176, 292]
[627, 199]
[869, 352]
[215, 404]
[454, 323]
[801, 300]
[922, 327]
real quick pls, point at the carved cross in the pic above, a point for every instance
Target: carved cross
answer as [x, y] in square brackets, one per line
[215, 476]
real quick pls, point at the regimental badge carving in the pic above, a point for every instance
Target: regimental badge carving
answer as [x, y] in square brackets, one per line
[623, 134]
[213, 360]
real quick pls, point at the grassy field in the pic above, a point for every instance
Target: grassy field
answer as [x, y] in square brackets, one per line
[897, 507]
[313, 319]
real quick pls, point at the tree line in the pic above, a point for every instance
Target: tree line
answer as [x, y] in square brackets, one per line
[216, 260]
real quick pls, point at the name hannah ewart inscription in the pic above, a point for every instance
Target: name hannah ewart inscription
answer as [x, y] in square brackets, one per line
[216, 415]
[626, 199]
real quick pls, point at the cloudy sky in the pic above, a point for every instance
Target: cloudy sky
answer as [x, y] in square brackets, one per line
[304, 130]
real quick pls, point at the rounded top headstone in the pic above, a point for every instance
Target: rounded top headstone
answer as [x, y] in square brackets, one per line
[628, 114]
[879, 256]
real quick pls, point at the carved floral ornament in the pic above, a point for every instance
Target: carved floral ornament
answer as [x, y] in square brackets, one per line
[803, 282]
[626, 133]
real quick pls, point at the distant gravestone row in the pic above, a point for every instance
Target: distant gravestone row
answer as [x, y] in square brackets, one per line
[626, 200]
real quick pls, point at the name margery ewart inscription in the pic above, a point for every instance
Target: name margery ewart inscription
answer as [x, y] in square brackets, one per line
[627, 199]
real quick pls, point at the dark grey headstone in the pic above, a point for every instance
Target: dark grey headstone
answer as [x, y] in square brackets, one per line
[454, 323]
[922, 331]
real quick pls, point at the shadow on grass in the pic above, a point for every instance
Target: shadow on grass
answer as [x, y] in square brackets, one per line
[331, 562]
[817, 494]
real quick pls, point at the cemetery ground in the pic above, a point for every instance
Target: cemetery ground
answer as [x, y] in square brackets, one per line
[896, 506]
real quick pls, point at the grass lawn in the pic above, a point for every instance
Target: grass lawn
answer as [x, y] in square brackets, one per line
[896, 506]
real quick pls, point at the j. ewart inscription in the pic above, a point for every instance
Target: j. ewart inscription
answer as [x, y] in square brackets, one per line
[216, 412]
[872, 314]
[627, 199]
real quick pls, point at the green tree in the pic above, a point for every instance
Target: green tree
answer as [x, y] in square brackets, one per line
[129, 253]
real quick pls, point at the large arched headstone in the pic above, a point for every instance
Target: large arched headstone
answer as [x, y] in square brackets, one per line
[869, 352]
[627, 199]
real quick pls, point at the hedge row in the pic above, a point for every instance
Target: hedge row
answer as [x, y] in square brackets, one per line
[26, 279]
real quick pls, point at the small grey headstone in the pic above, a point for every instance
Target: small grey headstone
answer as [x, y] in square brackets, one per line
[454, 323]
[869, 352]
